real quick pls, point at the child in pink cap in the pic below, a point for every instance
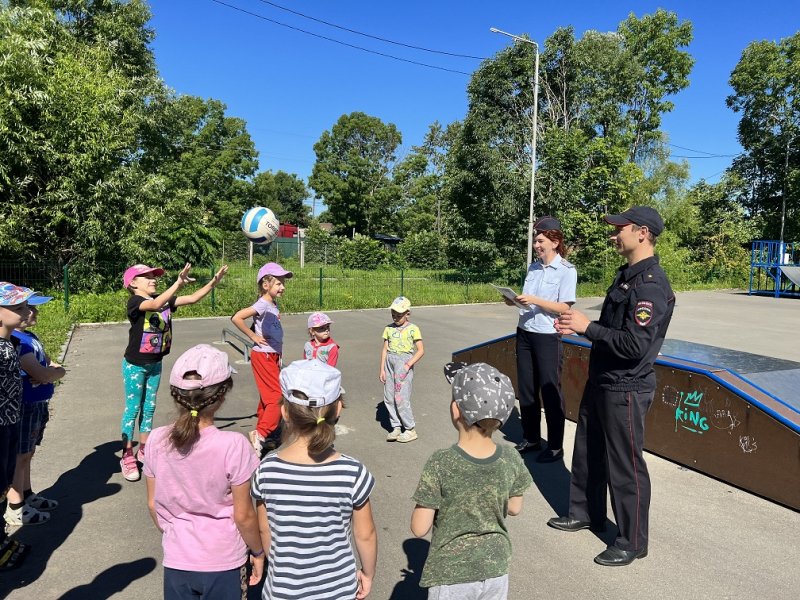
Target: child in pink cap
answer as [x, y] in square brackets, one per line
[149, 341]
[198, 480]
[267, 337]
[321, 345]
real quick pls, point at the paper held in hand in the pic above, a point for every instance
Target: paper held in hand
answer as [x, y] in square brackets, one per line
[509, 294]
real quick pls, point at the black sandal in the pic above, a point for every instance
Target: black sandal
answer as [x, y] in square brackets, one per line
[12, 554]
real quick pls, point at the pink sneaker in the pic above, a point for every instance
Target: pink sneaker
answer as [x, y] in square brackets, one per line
[130, 470]
[140, 454]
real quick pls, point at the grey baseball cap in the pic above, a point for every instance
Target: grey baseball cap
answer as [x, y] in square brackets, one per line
[480, 391]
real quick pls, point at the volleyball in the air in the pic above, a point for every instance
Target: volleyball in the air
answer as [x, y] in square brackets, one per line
[260, 225]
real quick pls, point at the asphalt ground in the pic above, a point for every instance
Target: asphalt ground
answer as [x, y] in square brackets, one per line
[707, 539]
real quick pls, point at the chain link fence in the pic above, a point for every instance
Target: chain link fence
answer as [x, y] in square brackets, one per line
[315, 287]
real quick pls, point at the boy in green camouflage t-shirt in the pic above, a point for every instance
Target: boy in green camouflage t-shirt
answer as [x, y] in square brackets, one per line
[466, 491]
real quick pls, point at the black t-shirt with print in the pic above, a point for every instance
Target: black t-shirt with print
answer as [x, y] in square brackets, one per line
[10, 383]
[150, 335]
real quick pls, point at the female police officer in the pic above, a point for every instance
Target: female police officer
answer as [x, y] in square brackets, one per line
[549, 290]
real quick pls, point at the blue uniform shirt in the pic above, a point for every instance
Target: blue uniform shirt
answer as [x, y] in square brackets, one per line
[555, 282]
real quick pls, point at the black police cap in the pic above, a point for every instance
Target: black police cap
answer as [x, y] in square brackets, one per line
[643, 216]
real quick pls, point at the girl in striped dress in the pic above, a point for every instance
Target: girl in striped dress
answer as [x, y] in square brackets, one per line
[310, 497]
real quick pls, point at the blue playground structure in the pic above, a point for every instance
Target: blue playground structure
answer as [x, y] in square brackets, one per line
[775, 268]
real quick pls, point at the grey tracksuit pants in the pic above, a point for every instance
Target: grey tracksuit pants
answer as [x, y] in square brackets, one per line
[397, 390]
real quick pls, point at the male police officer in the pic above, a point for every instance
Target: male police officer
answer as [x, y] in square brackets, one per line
[620, 388]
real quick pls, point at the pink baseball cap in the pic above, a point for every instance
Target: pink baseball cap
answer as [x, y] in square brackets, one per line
[318, 319]
[274, 269]
[137, 270]
[208, 362]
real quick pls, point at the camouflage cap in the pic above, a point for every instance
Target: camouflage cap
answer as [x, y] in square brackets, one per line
[480, 391]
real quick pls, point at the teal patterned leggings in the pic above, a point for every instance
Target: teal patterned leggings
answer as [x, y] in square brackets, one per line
[141, 386]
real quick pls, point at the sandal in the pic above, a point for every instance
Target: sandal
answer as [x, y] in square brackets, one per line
[25, 515]
[41, 503]
[12, 554]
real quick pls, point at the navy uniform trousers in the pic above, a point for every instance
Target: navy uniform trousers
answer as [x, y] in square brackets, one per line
[608, 453]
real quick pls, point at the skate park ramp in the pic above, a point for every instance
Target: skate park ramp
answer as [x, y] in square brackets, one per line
[792, 273]
[732, 415]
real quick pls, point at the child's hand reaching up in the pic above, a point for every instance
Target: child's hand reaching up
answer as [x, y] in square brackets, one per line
[220, 274]
[183, 276]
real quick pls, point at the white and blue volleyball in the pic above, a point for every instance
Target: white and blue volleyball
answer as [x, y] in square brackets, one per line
[260, 225]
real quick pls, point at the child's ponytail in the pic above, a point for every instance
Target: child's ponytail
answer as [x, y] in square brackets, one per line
[192, 405]
[317, 425]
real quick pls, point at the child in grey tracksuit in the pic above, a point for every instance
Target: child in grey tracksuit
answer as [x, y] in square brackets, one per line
[402, 349]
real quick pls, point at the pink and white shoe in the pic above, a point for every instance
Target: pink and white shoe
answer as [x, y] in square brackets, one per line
[130, 470]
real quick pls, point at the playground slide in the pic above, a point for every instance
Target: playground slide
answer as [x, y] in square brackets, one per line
[793, 273]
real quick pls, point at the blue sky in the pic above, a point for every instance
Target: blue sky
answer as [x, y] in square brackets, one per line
[290, 86]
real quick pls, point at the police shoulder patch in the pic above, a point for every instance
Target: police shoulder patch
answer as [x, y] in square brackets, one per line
[643, 313]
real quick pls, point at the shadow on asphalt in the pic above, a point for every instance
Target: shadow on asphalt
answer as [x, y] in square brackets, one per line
[382, 416]
[112, 580]
[552, 479]
[84, 484]
[408, 587]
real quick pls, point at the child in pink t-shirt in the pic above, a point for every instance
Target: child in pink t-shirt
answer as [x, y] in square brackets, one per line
[198, 487]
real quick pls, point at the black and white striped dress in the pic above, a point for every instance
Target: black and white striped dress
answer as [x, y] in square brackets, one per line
[310, 509]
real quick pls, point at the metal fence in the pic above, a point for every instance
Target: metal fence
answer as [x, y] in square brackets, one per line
[84, 288]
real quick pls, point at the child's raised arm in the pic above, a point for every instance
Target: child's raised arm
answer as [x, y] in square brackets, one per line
[203, 291]
[162, 299]
[366, 539]
[422, 520]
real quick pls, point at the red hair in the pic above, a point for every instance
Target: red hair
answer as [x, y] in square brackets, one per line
[557, 237]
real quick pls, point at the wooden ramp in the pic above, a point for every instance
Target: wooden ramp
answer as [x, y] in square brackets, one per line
[705, 417]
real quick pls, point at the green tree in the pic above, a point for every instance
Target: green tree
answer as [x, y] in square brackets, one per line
[600, 107]
[284, 193]
[352, 173]
[765, 83]
[68, 139]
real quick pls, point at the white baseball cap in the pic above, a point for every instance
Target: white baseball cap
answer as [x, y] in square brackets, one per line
[321, 383]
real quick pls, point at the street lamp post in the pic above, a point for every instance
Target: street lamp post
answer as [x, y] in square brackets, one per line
[517, 38]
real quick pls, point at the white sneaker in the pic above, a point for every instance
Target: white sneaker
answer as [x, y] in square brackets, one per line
[393, 435]
[409, 435]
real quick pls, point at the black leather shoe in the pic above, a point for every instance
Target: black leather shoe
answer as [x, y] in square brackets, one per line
[568, 524]
[616, 557]
[549, 456]
[525, 446]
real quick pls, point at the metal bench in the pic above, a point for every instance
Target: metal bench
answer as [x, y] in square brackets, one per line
[245, 341]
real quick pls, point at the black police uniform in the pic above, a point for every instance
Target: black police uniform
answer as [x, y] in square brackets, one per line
[620, 388]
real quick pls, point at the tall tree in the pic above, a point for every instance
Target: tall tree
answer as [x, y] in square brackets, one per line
[599, 117]
[285, 194]
[765, 83]
[352, 173]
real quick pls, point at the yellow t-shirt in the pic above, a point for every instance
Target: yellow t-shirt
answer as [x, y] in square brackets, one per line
[402, 340]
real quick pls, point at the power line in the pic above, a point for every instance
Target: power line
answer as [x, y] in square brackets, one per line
[367, 35]
[710, 154]
[335, 41]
